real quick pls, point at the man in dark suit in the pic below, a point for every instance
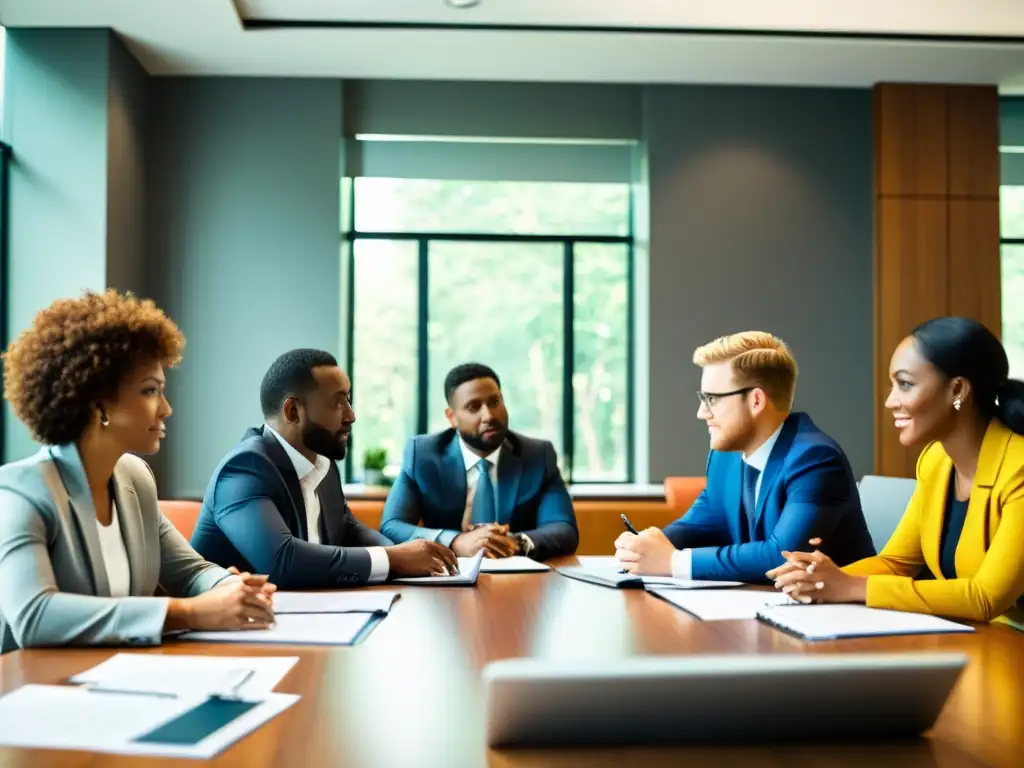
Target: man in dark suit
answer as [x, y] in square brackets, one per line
[478, 485]
[275, 504]
[774, 480]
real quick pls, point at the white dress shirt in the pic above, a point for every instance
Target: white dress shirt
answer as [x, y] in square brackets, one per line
[115, 556]
[310, 477]
[473, 477]
[682, 560]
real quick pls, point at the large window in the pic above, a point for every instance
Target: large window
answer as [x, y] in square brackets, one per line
[530, 277]
[1012, 231]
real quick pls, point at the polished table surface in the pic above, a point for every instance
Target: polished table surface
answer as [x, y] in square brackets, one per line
[409, 695]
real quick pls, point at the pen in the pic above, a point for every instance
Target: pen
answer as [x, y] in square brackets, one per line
[631, 529]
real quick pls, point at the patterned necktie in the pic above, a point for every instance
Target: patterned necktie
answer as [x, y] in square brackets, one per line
[483, 499]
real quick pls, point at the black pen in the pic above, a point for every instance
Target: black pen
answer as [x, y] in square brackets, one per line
[631, 529]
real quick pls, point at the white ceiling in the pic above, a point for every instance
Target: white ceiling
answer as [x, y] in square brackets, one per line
[209, 37]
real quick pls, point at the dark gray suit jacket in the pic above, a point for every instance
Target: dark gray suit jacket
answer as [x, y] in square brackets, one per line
[254, 518]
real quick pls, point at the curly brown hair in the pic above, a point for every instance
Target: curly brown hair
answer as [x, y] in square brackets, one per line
[77, 352]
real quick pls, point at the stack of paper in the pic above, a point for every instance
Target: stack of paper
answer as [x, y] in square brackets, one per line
[145, 704]
[63, 717]
[237, 677]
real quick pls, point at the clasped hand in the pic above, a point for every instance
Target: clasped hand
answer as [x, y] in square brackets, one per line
[813, 577]
[490, 537]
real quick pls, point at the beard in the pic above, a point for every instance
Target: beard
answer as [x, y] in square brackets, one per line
[479, 443]
[330, 445]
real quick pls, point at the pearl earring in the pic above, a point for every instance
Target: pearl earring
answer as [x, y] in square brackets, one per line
[956, 404]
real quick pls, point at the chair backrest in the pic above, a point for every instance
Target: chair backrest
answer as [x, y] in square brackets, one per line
[182, 514]
[681, 492]
[884, 500]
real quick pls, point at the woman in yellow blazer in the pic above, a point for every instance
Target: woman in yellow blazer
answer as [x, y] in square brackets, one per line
[965, 521]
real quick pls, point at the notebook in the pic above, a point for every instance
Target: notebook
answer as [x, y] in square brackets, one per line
[611, 577]
[833, 622]
[514, 564]
[469, 570]
[373, 601]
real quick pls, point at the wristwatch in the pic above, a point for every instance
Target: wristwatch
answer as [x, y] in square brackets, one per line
[525, 545]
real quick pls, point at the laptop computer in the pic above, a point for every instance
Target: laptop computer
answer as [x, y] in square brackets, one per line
[715, 699]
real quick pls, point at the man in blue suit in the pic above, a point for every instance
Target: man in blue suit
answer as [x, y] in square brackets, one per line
[275, 504]
[478, 485]
[774, 480]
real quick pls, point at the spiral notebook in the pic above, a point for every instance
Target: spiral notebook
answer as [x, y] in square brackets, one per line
[833, 622]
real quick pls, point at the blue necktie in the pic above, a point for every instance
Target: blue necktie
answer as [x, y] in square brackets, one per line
[750, 475]
[483, 499]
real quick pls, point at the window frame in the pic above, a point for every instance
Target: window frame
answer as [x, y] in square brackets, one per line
[5, 186]
[568, 242]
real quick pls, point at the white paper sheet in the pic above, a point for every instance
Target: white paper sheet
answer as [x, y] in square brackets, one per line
[828, 622]
[668, 582]
[231, 676]
[721, 605]
[295, 628]
[67, 717]
[469, 570]
[514, 564]
[370, 601]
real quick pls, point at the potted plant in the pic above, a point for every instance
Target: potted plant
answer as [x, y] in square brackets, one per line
[375, 460]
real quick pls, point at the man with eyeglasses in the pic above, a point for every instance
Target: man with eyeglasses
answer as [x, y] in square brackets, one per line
[774, 480]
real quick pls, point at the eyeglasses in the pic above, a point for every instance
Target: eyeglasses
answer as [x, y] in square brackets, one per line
[710, 399]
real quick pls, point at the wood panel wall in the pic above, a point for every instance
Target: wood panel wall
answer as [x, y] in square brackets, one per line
[936, 225]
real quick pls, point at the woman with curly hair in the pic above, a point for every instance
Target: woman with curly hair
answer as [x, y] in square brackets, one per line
[84, 548]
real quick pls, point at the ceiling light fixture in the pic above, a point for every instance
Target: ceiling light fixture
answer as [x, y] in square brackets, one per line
[462, 3]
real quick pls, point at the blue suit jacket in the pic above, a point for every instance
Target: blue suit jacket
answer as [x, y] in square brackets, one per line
[531, 496]
[254, 518]
[807, 490]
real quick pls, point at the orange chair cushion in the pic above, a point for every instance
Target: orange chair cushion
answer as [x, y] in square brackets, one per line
[182, 514]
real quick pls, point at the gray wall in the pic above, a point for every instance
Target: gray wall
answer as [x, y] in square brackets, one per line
[55, 118]
[761, 218]
[520, 110]
[243, 236]
[126, 200]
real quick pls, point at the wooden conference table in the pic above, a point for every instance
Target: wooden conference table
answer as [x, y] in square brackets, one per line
[409, 695]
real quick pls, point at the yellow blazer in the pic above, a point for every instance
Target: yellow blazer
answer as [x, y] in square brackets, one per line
[989, 555]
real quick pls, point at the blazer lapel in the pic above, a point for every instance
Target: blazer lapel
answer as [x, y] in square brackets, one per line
[510, 468]
[933, 514]
[455, 472]
[775, 461]
[129, 518]
[69, 488]
[291, 480]
[734, 499]
[333, 520]
[990, 461]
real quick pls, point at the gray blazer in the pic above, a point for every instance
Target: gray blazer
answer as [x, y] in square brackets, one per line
[53, 582]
